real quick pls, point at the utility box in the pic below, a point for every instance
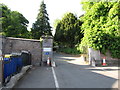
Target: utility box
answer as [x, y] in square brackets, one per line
[47, 49]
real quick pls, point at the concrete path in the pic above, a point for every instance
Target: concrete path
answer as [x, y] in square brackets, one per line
[70, 73]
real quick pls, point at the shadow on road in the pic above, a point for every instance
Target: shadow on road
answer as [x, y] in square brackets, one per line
[82, 76]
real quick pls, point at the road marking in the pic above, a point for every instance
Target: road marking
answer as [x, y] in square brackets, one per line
[55, 78]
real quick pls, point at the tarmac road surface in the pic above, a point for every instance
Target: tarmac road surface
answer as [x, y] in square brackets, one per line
[69, 73]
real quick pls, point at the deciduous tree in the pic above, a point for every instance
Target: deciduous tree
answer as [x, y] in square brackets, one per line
[14, 24]
[68, 31]
[101, 26]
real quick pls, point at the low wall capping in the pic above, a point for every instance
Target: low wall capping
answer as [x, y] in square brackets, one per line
[22, 39]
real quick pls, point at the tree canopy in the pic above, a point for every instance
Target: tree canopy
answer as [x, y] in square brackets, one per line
[42, 25]
[14, 24]
[101, 26]
[68, 32]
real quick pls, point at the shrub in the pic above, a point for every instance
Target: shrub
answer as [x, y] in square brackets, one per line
[68, 50]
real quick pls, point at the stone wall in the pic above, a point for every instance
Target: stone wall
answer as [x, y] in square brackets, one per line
[109, 59]
[16, 45]
[108, 56]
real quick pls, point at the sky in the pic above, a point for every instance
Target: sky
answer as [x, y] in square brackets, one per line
[55, 8]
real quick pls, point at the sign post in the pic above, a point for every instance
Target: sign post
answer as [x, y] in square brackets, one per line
[1, 71]
[1, 62]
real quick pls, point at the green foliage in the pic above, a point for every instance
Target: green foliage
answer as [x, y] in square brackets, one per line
[115, 47]
[70, 50]
[82, 49]
[41, 26]
[14, 24]
[56, 22]
[101, 27]
[68, 32]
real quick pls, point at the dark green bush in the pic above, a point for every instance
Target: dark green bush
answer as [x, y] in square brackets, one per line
[68, 50]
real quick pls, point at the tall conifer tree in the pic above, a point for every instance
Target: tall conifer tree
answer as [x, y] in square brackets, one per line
[42, 25]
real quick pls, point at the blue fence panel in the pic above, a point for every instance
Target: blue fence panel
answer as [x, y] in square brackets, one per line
[10, 67]
[18, 61]
[6, 65]
[13, 64]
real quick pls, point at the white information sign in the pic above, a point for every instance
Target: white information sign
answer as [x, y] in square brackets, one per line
[47, 49]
